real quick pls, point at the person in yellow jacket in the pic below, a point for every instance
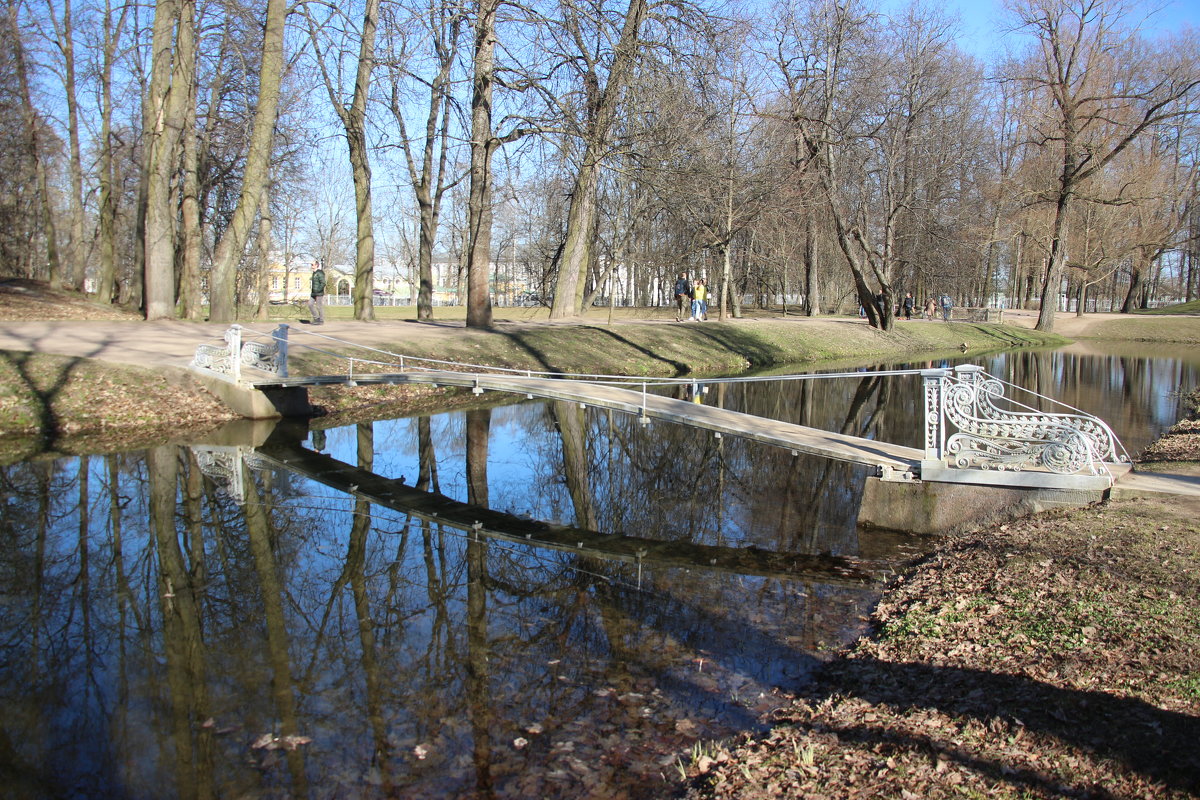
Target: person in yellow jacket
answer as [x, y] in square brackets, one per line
[700, 300]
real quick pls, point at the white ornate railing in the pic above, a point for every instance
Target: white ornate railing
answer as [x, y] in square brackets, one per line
[268, 356]
[966, 426]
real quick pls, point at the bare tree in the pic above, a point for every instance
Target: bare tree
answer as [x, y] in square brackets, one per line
[353, 116]
[1097, 87]
[34, 141]
[230, 247]
[430, 175]
[599, 111]
[172, 72]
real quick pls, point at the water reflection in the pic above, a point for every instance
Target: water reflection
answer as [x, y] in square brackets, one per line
[162, 639]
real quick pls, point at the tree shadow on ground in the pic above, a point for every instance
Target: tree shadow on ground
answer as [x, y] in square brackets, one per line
[42, 380]
[1154, 742]
[524, 342]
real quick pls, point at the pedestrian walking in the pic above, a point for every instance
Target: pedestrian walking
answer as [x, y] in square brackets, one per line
[683, 296]
[316, 303]
[700, 300]
[907, 305]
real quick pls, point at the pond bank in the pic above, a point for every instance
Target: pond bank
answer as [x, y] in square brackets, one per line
[55, 393]
[1055, 656]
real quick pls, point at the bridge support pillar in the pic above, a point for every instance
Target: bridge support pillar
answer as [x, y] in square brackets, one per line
[929, 507]
[251, 403]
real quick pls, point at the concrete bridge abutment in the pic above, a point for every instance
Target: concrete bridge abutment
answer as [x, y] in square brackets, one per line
[929, 507]
[254, 403]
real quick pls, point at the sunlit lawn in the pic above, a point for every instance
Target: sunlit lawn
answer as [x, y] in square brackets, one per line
[1181, 308]
[597, 314]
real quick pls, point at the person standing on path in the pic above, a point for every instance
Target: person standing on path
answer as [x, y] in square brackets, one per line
[908, 305]
[947, 305]
[316, 304]
[930, 309]
[700, 300]
[683, 295]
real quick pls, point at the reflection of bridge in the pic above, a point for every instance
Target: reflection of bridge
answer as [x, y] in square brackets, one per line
[973, 433]
[284, 449]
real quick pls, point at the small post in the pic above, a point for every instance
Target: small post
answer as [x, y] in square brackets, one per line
[933, 387]
[233, 337]
[280, 335]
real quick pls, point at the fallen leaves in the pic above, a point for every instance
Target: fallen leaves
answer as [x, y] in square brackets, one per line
[1030, 661]
[269, 741]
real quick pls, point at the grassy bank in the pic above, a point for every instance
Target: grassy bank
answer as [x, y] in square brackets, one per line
[656, 349]
[47, 398]
[1148, 328]
[1056, 656]
[647, 348]
[48, 401]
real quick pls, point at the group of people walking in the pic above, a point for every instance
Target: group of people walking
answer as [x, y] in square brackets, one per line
[909, 304]
[691, 298]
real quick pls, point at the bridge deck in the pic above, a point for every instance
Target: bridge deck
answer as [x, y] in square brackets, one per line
[798, 438]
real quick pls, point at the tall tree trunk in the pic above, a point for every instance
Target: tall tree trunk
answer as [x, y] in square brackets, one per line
[75, 268]
[429, 179]
[483, 145]
[1137, 272]
[223, 281]
[107, 178]
[172, 73]
[812, 298]
[577, 253]
[354, 122]
[190, 296]
[1054, 269]
[264, 261]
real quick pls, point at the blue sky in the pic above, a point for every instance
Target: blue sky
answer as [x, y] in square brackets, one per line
[983, 20]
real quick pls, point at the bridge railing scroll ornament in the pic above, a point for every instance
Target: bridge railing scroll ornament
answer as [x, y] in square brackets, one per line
[971, 426]
[269, 355]
[225, 466]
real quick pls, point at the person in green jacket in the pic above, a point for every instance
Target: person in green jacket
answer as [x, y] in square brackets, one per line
[316, 305]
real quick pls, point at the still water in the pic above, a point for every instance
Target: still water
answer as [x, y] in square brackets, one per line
[173, 631]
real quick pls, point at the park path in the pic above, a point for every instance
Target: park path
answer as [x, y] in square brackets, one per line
[173, 342]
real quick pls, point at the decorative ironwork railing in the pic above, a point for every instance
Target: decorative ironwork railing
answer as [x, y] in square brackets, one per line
[268, 356]
[966, 426]
[973, 432]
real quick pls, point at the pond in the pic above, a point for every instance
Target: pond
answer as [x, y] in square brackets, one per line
[178, 625]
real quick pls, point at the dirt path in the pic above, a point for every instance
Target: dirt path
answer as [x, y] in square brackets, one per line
[173, 342]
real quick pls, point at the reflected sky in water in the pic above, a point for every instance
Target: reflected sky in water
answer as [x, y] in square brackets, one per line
[162, 639]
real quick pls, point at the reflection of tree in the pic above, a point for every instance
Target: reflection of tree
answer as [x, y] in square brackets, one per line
[258, 532]
[355, 573]
[570, 421]
[181, 631]
[479, 699]
[427, 457]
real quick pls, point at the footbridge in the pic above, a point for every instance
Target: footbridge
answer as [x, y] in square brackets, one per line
[975, 431]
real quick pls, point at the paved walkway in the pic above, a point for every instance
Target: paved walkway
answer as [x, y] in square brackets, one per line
[173, 342]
